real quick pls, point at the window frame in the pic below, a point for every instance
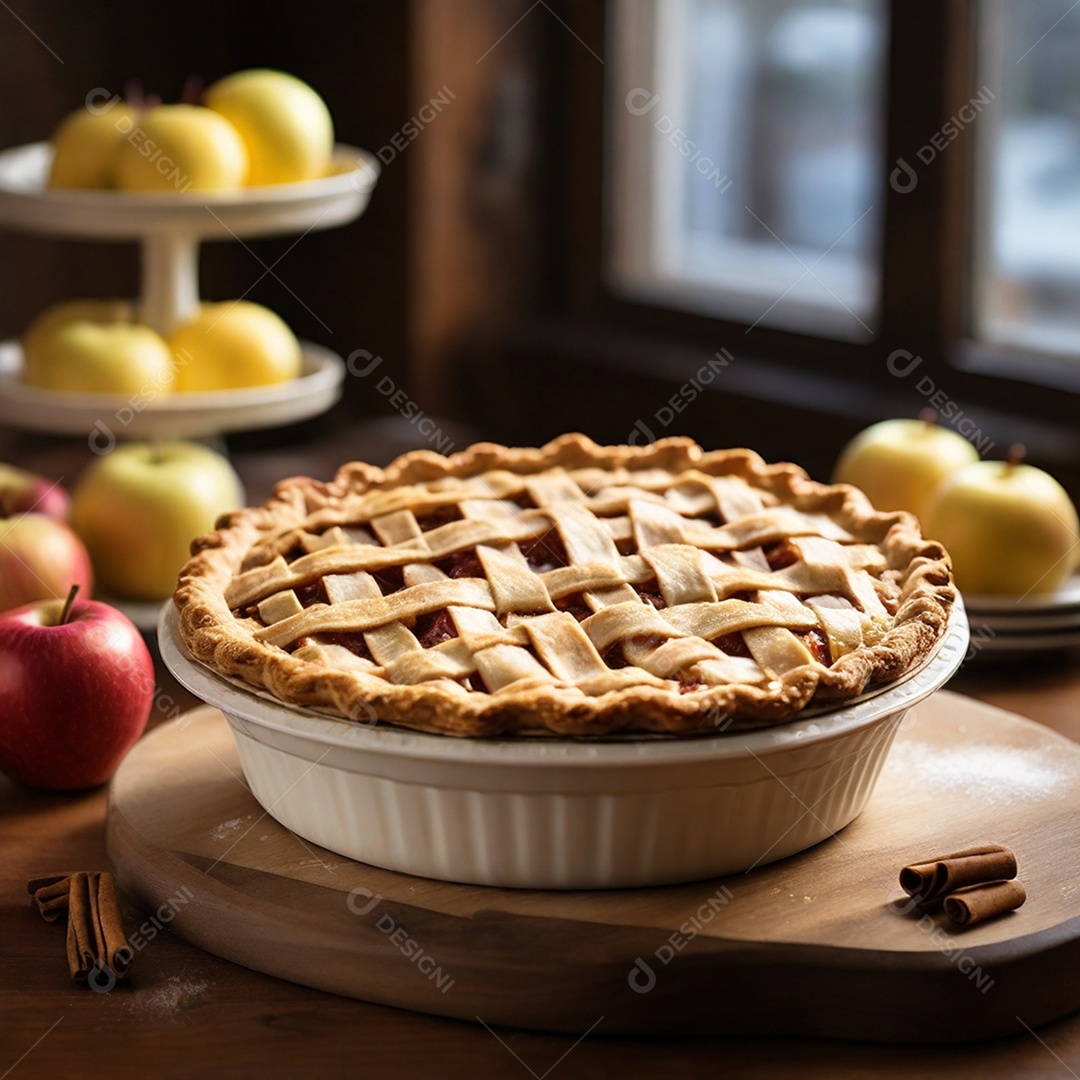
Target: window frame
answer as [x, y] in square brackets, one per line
[1053, 370]
[741, 289]
[927, 237]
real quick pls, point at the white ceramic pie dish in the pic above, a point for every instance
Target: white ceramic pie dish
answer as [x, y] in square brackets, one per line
[557, 813]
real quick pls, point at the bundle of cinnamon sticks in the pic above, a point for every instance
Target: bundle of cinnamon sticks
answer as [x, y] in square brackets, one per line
[972, 885]
[96, 944]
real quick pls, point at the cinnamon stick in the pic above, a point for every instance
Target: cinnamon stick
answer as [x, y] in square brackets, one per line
[112, 946]
[934, 878]
[80, 937]
[977, 903]
[50, 896]
[34, 884]
[95, 931]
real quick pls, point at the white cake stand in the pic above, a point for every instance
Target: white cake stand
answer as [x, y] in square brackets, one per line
[198, 415]
[170, 226]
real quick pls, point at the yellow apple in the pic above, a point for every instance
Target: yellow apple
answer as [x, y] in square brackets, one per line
[899, 463]
[284, 123]
[92, 346]
[1010, 528]
[86, 144]
[46, 322]
[182, 148]
[233, 344]
[138, 508]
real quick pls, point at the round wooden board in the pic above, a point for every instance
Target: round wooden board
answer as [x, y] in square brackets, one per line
[810, 946]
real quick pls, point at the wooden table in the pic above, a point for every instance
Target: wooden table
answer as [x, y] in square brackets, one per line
[187, 1011]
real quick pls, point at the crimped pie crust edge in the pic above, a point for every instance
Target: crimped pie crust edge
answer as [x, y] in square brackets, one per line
[210, 633]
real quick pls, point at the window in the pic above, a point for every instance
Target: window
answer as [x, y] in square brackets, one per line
[1027, 254]
[746, 162]
[746, 170]
[821, 186]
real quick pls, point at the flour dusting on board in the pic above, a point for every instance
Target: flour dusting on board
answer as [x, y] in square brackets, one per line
[169, 997]
[221, 832]
[995, 774]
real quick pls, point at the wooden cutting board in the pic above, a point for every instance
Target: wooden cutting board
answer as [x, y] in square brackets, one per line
[810, 946]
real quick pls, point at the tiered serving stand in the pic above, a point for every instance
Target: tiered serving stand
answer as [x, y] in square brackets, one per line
[170, 228]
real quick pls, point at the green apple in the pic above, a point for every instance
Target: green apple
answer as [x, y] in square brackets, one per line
[93, 347]
[86, 144]
[234, 344]
[1010, 528]
[284, 123]
[179, 148]
[138, 508]
[899, 463]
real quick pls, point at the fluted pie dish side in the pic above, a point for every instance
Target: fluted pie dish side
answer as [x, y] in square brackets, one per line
[573, 590]
[559, 813]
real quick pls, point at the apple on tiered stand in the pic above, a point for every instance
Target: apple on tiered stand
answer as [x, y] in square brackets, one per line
[95, 347]
[256, 157]
[98, 347]
[285, 126]
[256, 128]
[85, 146]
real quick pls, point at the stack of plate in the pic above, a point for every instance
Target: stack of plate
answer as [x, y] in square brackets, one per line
[1036, 623]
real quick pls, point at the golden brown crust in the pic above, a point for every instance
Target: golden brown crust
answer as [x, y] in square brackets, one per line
[249, 537]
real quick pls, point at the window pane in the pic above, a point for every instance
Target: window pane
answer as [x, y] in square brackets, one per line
[1029, 176]
[745, 163]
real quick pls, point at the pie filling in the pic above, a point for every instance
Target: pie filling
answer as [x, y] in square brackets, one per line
[577, 588]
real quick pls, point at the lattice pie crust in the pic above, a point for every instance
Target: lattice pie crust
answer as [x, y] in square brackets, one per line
[574, 589]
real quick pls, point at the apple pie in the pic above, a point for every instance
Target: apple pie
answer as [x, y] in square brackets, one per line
[576, 590]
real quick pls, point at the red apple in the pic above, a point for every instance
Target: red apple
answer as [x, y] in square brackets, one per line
[40, 559]
[23, 492]
[76, 685]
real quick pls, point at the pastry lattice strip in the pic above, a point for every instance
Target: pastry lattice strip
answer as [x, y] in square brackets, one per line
[509, 629]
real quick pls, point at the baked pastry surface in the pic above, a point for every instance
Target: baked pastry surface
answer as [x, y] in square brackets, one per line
[574, 589]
